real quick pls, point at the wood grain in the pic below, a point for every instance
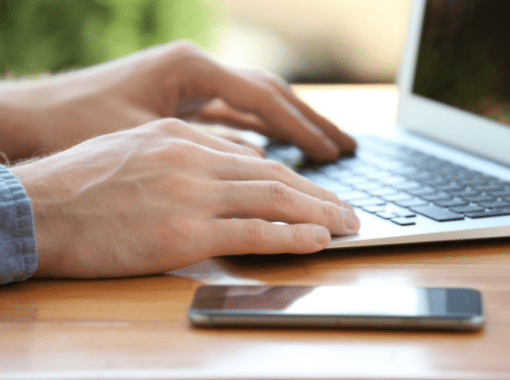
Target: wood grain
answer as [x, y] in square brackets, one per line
[138, 328]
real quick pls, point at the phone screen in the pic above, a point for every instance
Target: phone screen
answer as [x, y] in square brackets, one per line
[337, 305]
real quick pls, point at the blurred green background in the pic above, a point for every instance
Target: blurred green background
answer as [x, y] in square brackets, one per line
[322, 41]
[54, 35]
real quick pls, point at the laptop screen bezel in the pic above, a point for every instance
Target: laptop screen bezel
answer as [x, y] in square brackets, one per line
[446, 124]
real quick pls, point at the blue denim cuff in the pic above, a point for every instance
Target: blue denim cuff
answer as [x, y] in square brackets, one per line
[18, 255]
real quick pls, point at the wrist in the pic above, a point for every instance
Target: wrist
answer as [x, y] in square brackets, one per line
[19, 133]
[47, 219]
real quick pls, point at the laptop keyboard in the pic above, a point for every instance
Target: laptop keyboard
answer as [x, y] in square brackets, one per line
[397, 183]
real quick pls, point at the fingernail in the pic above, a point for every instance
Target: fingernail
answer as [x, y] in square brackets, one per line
[321, 235]
[351, 221]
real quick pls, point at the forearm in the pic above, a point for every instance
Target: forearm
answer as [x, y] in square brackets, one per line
[49, 114]
[42, 116]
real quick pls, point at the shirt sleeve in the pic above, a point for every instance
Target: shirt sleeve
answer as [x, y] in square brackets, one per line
[18, 256]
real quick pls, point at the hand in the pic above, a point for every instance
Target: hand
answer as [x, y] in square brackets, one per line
[176, 80]
[164, 195]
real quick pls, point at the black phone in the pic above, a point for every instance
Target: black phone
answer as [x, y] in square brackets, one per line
[337, 306]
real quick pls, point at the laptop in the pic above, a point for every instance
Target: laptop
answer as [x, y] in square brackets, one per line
[444, 175]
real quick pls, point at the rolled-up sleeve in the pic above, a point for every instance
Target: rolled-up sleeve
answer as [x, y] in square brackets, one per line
[18, 256]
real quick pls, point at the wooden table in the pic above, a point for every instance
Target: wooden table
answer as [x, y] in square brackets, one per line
[137, 327]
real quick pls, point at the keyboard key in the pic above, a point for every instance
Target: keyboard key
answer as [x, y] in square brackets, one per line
[466, 192]
[480, 198]
[489, 213]
[495, 204]
[351, 195]
[344, 176]
[404, 221]
[383, 190]
[407, 185]
[369, 186]
[475, 180]
[397, 197]
[335, 187]
[374, 208]
[365, 202]
[502, 193]
[421, 175]
[327, 183]
[473, 207]
[415, 201]
[439, 196]
[450, 186]
[435, 180]
[422, 190]
[453, 202]
[439, 214]
[395, 180]
[392, 211]
[490, 187]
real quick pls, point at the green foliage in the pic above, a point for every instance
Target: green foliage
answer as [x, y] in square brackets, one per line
[52, 35]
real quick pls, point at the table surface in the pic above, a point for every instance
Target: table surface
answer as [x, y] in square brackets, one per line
[138, 327]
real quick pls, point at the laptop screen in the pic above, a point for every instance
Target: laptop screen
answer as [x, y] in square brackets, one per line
[464, 56]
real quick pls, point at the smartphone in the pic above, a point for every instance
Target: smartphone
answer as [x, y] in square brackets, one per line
[337, 306]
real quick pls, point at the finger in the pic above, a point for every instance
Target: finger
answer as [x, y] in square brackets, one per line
[239, 140]
[231, 167]
[283, 121]
[217, 111]
[239, 168]
[275, 202]
[244, 236]
[346, 143]
[281, 118]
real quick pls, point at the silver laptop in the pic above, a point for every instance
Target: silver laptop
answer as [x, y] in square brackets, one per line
[445, 174]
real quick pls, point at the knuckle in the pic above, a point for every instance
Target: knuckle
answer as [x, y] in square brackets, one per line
[279, 172]
[167, 127]
[279, 195]
[331, 214]
[258, 233]
[298, 236]
[185, 48]
[267, 94]
[328, 195]
[172, 125]
[187, 58]
[305, 241]
[179, 153]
